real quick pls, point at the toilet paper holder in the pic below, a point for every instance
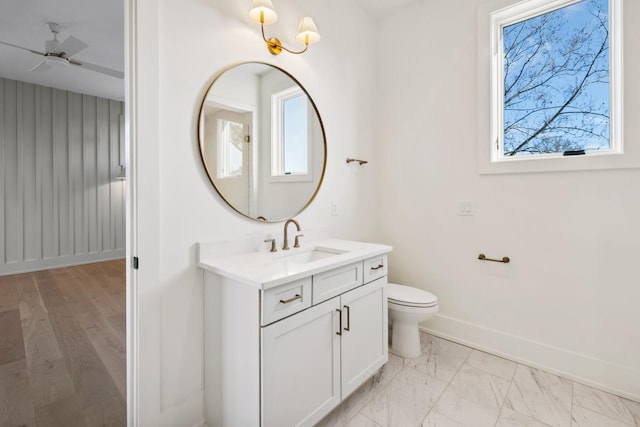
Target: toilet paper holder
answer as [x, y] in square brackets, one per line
[360, 161]
[482, 257]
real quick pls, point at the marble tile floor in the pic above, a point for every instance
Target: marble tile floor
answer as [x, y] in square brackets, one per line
[451, 385]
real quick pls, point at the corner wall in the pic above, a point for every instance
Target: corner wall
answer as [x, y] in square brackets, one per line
[568, 301]
[181, 45]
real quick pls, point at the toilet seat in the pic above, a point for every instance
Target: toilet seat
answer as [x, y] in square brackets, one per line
[408, 296]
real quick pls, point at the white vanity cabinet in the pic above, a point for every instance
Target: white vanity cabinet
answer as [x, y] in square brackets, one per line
[288, 351]
[314, 359]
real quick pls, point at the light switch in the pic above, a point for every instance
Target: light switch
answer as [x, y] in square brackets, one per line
[466, 208]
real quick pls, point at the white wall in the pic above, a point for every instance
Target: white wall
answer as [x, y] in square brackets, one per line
[60, 203]
[568, 301]
[179, 45]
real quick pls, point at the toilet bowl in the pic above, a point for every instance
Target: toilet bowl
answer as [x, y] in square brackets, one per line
[408, 306]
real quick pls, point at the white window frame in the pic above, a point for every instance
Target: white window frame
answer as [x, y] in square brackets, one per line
[492, 17]
[277, 136]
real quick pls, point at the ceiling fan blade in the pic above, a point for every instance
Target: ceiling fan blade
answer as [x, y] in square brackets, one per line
[23, 48]
[99, 69]
[42, 66]
[70, 46]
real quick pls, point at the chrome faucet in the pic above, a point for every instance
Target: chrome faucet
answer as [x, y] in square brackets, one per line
[285, 245]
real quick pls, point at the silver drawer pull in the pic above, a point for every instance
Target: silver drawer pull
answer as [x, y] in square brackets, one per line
[287, 301]
[378, 267]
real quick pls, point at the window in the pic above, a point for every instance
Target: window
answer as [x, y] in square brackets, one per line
[230, 145]
[290, 153]
[555, 80]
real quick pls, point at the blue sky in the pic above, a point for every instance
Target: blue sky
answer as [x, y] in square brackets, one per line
[295, 134]
[552, 54]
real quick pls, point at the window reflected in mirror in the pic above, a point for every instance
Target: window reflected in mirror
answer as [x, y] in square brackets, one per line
[290, 137]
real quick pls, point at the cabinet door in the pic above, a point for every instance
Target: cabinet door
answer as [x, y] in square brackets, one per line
[301, 367]
[364, 338]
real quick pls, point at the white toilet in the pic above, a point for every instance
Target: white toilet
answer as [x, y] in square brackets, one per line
[407, 307]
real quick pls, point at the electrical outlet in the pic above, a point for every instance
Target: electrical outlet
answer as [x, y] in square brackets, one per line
[334, 208]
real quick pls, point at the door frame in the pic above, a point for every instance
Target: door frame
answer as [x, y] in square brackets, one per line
[131, 226]
[132, 107]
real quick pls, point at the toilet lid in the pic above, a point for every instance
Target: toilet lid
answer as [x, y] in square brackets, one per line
[407, 295]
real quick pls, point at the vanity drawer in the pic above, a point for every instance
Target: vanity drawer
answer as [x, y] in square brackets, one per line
[285, 300]
[375, 268]
[335, 282]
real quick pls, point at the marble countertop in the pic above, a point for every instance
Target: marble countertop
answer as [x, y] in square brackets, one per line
[265, 270]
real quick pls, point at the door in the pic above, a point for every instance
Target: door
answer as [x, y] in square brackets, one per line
[364, 336]
[301, 383]
[230, 154]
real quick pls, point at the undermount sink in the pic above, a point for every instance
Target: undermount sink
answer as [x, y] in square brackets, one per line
[312, 254]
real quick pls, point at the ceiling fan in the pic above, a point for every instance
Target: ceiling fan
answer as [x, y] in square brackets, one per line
[57, 53]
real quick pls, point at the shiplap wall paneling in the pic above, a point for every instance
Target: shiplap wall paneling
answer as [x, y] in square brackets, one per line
[45, 179]
[62, 209]
[13, 194]
[60, 203]
[89, 142]
[3, 148]
[118, 200]
[3, 172]
[76, 172]
[30, 173]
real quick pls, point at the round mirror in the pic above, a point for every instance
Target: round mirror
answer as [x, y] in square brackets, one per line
[262, 141]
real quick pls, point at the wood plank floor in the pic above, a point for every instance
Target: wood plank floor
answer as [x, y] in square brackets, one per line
[62, 347]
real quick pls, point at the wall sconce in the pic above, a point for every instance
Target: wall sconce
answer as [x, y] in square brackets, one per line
[263, 13]
[122, 175]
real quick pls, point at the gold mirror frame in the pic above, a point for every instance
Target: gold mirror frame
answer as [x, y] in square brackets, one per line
[211, 173]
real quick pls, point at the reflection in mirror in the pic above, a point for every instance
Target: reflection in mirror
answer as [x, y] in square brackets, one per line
[262, 141]
[290, 133]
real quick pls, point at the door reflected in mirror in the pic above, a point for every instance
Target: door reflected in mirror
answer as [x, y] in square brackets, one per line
[262, 141]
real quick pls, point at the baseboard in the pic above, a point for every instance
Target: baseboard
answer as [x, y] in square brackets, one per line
[620, 380]
[188, 412]
[59, 262]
